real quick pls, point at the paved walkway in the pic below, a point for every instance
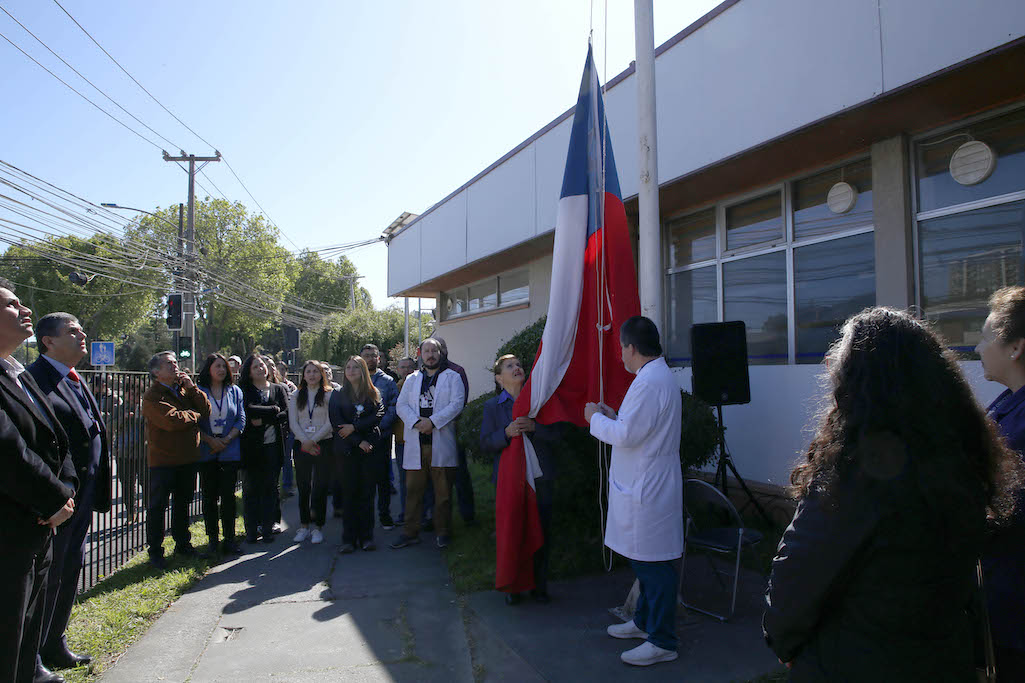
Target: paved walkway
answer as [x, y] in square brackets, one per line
[288, 613]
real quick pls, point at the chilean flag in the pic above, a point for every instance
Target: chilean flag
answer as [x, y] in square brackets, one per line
[594, 291]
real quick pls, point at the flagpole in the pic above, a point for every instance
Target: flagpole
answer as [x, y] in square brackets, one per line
[650, 267]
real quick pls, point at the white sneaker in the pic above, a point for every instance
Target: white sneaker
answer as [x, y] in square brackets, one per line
[301, 535]
[647, 654]
[626, 631]
[317, 536]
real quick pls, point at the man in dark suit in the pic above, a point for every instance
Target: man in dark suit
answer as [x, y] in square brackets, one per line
[37, 488]
[61, 340]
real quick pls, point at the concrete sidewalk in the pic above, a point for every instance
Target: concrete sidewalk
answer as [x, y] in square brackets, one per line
[285, 612]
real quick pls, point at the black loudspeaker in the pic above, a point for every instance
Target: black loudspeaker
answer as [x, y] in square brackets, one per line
[720, 374]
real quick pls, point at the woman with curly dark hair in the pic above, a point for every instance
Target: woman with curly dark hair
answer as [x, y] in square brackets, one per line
[1002, 350]
[873, 578]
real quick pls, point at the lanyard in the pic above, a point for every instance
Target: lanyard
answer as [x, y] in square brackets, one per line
[219, 404]
[310, 411]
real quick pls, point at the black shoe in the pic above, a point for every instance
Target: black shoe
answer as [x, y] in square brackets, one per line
[540, 596]
[387, 524]
[252, 538]
[231, 548]
[190, 551]
[158, 562]
[369, 545]
[63, 658]
[44, 675]
[513, 599]
[428, 525]
[404, 541]
[268, 538]
[347, 548]
[277, 528]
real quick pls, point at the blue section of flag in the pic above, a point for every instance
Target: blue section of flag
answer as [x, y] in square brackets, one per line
[584, 160]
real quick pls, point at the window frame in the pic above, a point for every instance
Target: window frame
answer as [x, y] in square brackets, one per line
[787, 244]
[496, 279]
[965, 207]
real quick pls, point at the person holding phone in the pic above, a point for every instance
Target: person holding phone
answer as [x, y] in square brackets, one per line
[173, 408]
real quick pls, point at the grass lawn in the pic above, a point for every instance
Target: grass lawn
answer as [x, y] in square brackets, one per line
[115, 613]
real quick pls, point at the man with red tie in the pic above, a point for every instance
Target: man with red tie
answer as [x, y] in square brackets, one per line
[61, 342]
[37, 488]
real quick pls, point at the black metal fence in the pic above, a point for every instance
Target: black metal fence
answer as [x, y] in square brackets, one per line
[116, 536]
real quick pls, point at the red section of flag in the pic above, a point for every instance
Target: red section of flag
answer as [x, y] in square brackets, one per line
[518, 527]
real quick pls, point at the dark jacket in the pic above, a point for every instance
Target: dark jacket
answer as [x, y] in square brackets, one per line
[172, 424]
[37, 475]
[389, 391]
[868, 586]
[497, 416]
[365, 417]
[89, 466]
[1003, 561]
[273, 413]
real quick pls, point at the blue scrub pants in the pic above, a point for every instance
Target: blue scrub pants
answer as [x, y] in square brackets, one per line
[656, 605]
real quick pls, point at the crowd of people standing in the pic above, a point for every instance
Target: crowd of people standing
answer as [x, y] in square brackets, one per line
[908, 493]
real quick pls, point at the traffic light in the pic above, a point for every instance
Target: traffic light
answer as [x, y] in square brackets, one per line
[174, 312]
[184, 347]
[291, 337]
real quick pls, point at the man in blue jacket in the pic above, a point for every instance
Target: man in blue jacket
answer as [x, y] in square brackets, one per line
[382, 451]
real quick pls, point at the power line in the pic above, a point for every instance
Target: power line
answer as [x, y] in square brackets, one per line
[175, 117]
[152, 97]
[72, 89]
[95, 87]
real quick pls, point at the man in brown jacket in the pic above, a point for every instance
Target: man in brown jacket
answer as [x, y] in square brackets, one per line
[173, 407]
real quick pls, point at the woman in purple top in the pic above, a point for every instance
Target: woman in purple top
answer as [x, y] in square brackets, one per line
[1002, 350]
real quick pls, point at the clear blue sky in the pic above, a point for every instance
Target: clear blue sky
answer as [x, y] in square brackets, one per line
[338, 116]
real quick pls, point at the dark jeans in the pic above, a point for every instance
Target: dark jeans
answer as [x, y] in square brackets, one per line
[381, 464]
[178, 483]
[464, 489]
[65, 566]
[400, 449]
[545, 491]
[260, 491]
[656, 605]
[287, 471]
[218, 480]
[131, 469]
[22, 594]
[313, 475]
[359, 478]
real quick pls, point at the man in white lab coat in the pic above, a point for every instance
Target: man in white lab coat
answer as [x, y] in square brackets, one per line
[645, 520]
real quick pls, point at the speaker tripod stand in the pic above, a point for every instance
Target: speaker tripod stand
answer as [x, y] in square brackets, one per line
[726, 461]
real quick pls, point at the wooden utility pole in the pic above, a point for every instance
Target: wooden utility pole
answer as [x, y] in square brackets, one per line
[188, 291]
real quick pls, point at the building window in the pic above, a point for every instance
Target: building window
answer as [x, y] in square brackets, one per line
[970, 237]
[755, 221]
[832, 281]
[801, 269]
[508, 289]
[755, 291]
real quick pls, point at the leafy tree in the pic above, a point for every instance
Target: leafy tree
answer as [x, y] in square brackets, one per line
[327, 282]
[242, 273]
[108, 308]
[345, 334]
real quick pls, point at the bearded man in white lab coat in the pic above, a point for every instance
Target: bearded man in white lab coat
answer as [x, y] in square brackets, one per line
[645, 520]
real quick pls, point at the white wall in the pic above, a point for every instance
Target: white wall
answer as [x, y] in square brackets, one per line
[757, 71]
[767, 436]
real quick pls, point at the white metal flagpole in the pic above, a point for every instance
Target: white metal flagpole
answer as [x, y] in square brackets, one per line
[650, 269]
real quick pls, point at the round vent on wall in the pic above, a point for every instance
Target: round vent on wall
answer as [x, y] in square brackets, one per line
[841, 198]
[972, 163]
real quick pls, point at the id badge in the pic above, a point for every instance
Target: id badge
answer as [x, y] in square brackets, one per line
[311, 429]
[218, 427]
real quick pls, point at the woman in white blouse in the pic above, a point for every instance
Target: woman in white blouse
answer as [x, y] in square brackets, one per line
[308, 419]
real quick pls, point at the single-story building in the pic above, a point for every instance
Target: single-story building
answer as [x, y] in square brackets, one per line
[814, 156]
